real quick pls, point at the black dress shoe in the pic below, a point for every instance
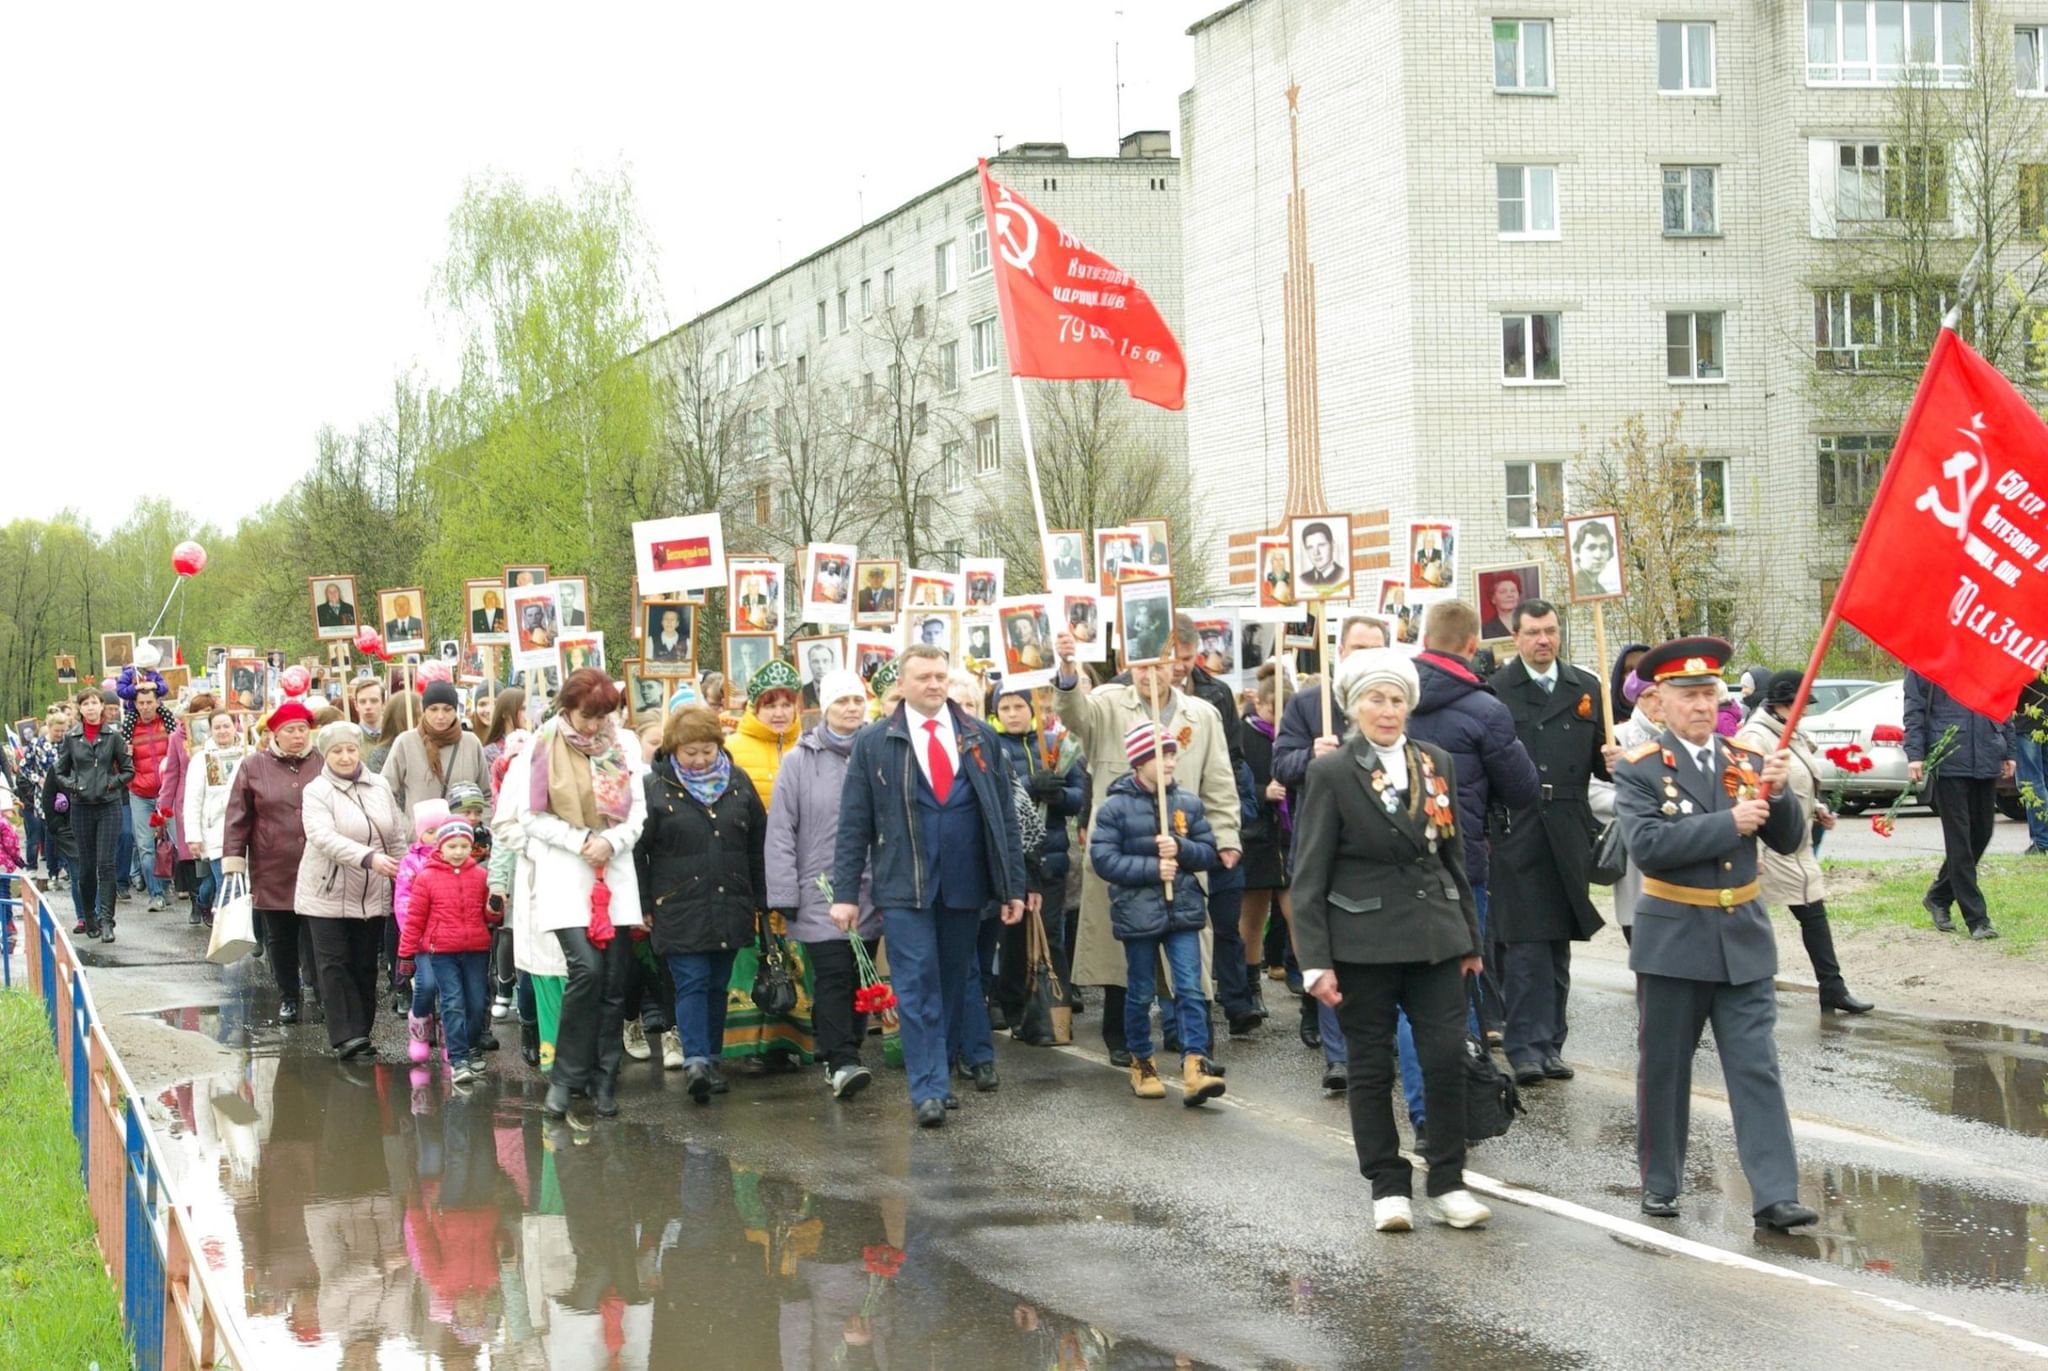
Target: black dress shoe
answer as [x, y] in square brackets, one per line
[529, 1043]
[984, 1074]
[1555, 1069]
[1785, 1215]
[1660, 1206]
[351, 1048]
[931, 1114]
[1845, 1002]
[487, 1041]
[288, 1012]
[951, 1101]
[1311, 1035]
[1529, 1073]
[107, 931]
[1335, 1081]
[1942, 922]
[697, 1080]
[1981, 933]
[604, 1099]
[1120, 1057]
[556, 1105]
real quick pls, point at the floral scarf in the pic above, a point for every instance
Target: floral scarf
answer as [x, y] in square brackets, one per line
[584, 781]
[706, 787]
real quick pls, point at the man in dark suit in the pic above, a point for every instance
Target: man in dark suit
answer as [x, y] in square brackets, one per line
[335, 612]
[1692, 807]
[877, 596]
[489, 617]
[1545, 850]
[403, 626]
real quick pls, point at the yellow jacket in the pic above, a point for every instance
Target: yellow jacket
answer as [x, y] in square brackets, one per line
[757, 750]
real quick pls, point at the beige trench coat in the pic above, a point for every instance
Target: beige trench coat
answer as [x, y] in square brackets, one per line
[1796, 879]
[1099, 718]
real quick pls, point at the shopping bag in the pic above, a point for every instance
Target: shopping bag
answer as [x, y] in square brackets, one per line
[166, 856]
[1046, 1021]
[234, 922]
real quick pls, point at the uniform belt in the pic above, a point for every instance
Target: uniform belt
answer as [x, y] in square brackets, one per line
[1726, 898]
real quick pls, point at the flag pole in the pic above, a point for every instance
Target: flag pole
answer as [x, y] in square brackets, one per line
[1030, 457]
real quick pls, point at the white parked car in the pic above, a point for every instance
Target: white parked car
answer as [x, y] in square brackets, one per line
[1875, 721]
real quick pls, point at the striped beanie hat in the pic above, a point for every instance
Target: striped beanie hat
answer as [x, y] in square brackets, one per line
[1144, 739]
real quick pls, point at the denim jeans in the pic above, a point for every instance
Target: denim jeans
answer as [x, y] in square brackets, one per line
[701, 979]
[139, 810]
[932, 967]
[1404, 1036]
[461, 981]
[124, 847]
[1183, 948]
[2032, 757]
[205, 881]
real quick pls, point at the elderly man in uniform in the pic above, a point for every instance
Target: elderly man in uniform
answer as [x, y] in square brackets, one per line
[1691, 807]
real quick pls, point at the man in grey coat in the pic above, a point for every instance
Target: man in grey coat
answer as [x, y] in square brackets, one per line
[1964, 779]
[1692, 806]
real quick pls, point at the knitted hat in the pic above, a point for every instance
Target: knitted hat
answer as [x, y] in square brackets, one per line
[428, 818]
[775, 674]
[692, 724]
[1144, 739]
[454, 828]
[883, 678]
[839, 684]
[1633, 686]
[290, 712]
[685, 694]
[465, 795]
[1376, 666]
[440, 693]
[337, 734]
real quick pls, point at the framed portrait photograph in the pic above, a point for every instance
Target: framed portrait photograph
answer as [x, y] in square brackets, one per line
[828, 583]
[116, 651]
[1065, 554]
[166, 651]
[870, 650]
[245, 684]
[216, 654]
[877, 587]
[1216, 635]
[517, 577]
[1592, 543]
[1274, 560]
[1501, 588]
[580, 650]
[979, 641]
[334, 606]
[753, 597]
[933, 590]
[1080, 613]
[176, 680]
[449, 650]
[477, 664]
[1158, 550]
[648, 686]
[1118, 552]
[745, 654]
[484, 599]
[981, 584]
[668, 635]
[572, 602]
[535, 627]
[1027, 640]
[815, 658]
[1320, 545]
[1144, 619]
[939, 628]
[337, 656]
[680, 554]
[402, 617]
[1432, 560]
[67, 670]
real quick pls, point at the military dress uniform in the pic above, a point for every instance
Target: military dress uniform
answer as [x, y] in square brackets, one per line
[1703, 948]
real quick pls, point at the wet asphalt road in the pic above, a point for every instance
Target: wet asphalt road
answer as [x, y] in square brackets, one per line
[369, 1222]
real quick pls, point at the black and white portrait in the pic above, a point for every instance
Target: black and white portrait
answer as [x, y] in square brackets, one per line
[1593, 543]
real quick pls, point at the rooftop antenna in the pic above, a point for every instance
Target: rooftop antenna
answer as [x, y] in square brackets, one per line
[999, 145]
[1116, 60]
[860, 198]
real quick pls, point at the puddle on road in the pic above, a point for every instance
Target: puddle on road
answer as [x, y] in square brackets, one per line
[1986, 1072]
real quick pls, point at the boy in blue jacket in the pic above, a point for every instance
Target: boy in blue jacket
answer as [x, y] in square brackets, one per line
[1139, 861]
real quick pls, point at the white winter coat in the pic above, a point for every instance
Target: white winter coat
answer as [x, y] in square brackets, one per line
[534, 952]
[561, 881]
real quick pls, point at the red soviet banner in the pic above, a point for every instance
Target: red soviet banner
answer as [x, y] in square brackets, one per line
[1951, 570]
[1068, 315]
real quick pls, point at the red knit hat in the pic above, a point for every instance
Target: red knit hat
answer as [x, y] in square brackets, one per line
[290, 712]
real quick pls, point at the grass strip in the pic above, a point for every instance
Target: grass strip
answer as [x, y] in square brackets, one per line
[1870, 894]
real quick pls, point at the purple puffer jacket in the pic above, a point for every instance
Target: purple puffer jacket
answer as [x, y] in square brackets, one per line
[803, 831]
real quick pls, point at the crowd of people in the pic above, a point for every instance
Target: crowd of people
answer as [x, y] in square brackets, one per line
[761, 876]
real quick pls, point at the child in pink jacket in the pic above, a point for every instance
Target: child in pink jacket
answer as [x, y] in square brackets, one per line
[420, 1023]
[447, 928]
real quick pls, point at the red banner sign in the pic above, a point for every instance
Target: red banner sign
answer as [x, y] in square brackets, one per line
[1069, 315]
[1951, 571]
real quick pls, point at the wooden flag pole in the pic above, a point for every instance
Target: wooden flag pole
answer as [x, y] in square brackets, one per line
[1030, 457]
[1329, 668]
[1606, 686]
[1159, 765]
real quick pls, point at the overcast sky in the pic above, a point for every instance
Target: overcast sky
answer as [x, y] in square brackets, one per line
[223, 217]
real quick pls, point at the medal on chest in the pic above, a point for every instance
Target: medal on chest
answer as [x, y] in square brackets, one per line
[1741, 780]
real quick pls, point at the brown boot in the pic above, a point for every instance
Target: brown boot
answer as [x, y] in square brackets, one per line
[1145, 1082]
[1201, 1079]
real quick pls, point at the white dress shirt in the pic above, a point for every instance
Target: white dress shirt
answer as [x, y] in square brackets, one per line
[920, 740]
[1547, 679]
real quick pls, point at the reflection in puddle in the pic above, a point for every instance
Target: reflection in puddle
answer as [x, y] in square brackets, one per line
[1985, 1072]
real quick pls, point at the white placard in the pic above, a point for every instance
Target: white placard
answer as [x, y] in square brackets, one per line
[686, 552]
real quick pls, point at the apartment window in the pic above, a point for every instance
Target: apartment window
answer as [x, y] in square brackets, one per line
[917, 320]
[781, 343]
[1692, 346]
[982, 341]
[1521, 55]
[764, 504]
[1526, 200]
[894, 378]
[803, 368]
[821, 319]
[1685, 58]
[919, 424]
[723, 367]
[1712, 476]
[988, 453]
[888, 287]
[1849, 467]
[842, 311]
[2033, 197]
[1691, 201]
[977, 246]
[1855, 330]
[925, 508]
[1878, 42]
[945, 268]
[1528, 348]
[2030, 58]
[953, 464]
[949, 366]
[1535, 496]
[867, 298]
[1883, 181]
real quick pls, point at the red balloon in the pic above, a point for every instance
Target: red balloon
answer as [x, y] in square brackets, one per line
[369, 641]
[295, 680]
[188, 558]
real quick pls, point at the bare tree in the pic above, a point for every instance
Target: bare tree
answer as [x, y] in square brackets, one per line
[896, 424]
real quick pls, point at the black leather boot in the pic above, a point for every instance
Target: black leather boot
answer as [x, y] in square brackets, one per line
[529, 1042]
[1820, 950]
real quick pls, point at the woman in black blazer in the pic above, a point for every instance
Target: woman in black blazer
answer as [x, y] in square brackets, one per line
[1383, 921]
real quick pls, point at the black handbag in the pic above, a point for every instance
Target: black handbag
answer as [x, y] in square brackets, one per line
[1491, 1098]
[1046, 1020]
[1610, 858]
[774, 991]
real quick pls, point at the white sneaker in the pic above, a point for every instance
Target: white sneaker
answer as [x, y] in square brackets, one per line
[1392, 1215]
[1459, 1209]
[501, 1008]
[636, 1041]
[672, 1051]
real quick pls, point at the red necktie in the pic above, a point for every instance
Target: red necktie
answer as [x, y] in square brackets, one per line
[935, 757]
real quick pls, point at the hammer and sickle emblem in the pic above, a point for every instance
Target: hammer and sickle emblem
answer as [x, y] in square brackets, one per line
[1957, 469]
[1013, 222]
